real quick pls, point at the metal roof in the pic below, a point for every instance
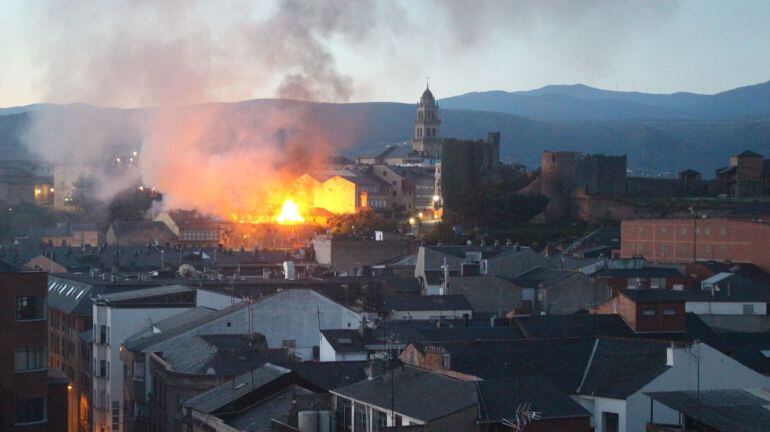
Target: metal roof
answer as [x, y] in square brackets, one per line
[217, 397]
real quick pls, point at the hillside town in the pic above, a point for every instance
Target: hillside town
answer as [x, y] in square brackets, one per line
[208, 225]
[181, 322]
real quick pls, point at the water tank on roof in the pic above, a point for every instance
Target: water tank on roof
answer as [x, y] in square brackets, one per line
[307, 421]
[324, 421]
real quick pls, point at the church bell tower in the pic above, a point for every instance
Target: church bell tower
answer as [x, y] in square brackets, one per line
[427, 126]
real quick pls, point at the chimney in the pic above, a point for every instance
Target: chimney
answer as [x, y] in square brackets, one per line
[670, 355]
[375, 369]
[492, 321]
[288, 270]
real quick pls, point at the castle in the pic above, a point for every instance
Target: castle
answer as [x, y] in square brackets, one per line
[591, 187]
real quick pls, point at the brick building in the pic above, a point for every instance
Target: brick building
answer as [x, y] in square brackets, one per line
[69, 317]
[648, 310]
[690, 240]
[32, 396]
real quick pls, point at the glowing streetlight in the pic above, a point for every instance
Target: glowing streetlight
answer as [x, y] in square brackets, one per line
[411, 221]
[436, 198]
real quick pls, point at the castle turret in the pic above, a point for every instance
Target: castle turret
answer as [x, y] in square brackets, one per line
[427, 126]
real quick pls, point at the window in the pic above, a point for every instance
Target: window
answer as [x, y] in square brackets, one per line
[663, 230]
[102, 369]
[28, 410]
[104, 334]
[446, 361]
[290, 343]
[683, 230]
[648, 312]
[707, 231]
[723, 231]
[610, 422]
[30, 308]
[748, 309]
[29, 358]
[138, 371]
[669, 311]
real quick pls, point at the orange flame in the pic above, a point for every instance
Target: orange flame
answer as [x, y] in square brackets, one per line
[289, 213]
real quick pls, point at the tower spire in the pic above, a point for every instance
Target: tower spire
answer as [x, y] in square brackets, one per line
[427, 126]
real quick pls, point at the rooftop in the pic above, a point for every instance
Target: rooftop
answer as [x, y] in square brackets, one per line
[725, 410]
[141, 294]
[500, 398]
[411, 385]
[218, 397]
[608, 367]
[347, 341]
[646, 272]
[424, 303]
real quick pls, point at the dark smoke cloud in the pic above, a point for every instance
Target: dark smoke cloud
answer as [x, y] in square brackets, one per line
[139, 53]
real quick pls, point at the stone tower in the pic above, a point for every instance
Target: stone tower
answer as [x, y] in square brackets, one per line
[427, 126]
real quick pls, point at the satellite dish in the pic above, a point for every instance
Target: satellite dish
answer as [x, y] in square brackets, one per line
[210, 371]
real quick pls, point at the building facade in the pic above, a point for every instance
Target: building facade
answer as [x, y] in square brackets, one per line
[115, 318]
[32, 396]
[691, 240]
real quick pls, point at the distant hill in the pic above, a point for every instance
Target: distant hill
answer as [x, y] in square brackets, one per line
[580, 102]
[654, 145]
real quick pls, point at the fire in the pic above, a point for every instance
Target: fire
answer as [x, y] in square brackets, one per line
[289, 213]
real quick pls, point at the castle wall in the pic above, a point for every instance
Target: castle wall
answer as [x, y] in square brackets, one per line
[564, 173]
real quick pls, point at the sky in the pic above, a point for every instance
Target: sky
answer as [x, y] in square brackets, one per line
[149, 53]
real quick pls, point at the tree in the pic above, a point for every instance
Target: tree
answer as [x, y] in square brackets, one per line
[131, 204]
[83, 199]
[365, 221]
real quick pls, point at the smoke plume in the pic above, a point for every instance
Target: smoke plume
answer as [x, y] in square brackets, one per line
[220, 159]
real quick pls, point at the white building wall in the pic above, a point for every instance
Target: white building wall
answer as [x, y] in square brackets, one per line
[326, 352]
[428, 315]
[717, 371]
[597, 406]
[724, 308]
[215, 300]
[122, 324]
[292, 314]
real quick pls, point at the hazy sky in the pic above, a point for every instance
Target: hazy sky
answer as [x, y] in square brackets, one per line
[144, 52]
